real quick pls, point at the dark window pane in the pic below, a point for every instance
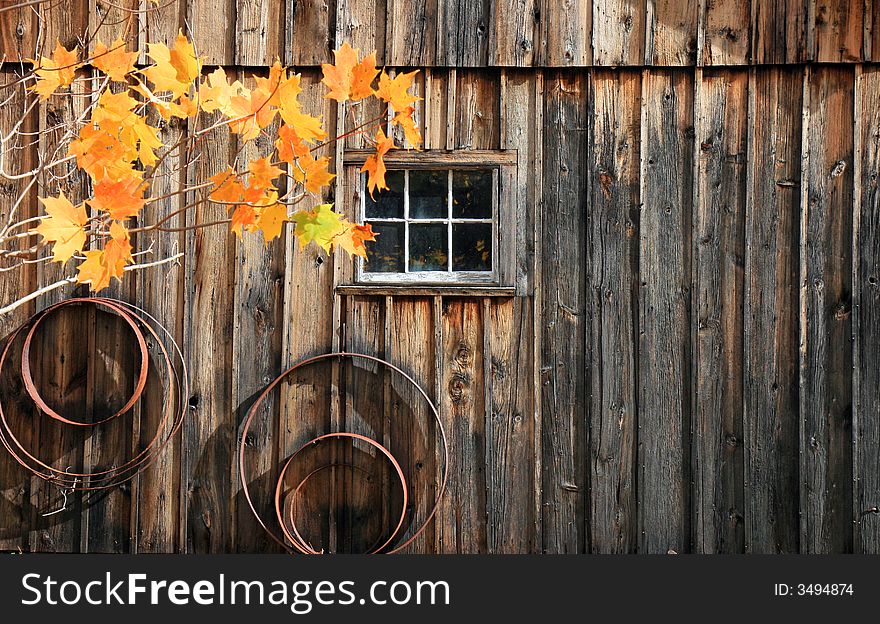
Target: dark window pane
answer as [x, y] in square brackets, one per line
[472, 194]
[387, 204]
[472, 247]
[428, 194]
[385, 255]
[427, 247]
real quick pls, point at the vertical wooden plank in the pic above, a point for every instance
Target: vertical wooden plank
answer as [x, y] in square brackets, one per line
[866, 292]
[411, 32]
[361, 505]
[563, 303]
[721, 116]
[826, 316]
[477, 102]
[18, 35]
[436, 108]
[212, 25]
[839, 31]
[510, 431]
[770, 314]
[724, 32]
[309, 32]
[161, 293]
[614, 271]
[618, 32]
[463, 33]
[362, 25]
[872, 31]
[671, 32]
[515, 26]
[15, 483]
[256, 356]
[664, 311]
[412, 431]
[259, 31]
[779, 32]
[208, 434]
[460, 524]
[107, 19]
[566, 33]
[161, 25]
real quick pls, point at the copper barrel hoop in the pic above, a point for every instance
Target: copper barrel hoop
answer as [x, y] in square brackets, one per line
[173, 412]
[30, 386]
[291, 540]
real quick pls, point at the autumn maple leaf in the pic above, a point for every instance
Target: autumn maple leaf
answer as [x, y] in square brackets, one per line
[114, 61]
[352, 239]
[176, 68]
[101, 265]
[227, 187]
[405, 120]
[263, 173]
[375, 165]
[349, 79]
[271, 220]
[120, 199]
[312, 173]
[320, 225]
[216, 92]
[64, 226]
[395, 90]
[289, 144]
[57, 71]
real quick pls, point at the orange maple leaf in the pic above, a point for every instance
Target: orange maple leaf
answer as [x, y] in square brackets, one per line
[395, 90]
[175, 68]
[312, 173]
[227, 187]
[57, 71]
[64, 226]
[101, 265]
[352, 239]
[114, 61]
[289, 144]
[263, 173]
[405, 120]
[120, 199]
[348, 78]
[375, 165]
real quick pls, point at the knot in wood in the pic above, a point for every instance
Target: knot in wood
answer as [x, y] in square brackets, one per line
[459, 384]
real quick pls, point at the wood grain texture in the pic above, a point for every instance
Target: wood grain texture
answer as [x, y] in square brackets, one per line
[665, 311]
[515, 28]
[838, 30]
[671, 32]
[566, 28]
[770, 414]
[459, 525]
[362, 25]
[212, 25]
[618, 32]
[477, 102]
[723, 38]
[779, 31]
[463, 33]
[866, 306]
[564, 315]
[826, 315]
[613, 288]
[719, 254]
[411, 32]
[309, 36]
[259, 31]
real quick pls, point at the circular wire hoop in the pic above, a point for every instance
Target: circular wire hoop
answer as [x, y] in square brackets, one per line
[290, 539]
[177, 387]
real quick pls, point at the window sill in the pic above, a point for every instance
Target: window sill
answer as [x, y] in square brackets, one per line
[426, 290]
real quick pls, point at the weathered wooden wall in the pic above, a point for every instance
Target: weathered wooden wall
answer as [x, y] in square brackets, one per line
[693, 364]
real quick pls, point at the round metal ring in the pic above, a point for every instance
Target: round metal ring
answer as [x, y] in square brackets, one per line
[31, 387]
[258, 403]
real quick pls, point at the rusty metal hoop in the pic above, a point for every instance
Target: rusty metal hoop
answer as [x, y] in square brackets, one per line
[258, 403]
[177, 383]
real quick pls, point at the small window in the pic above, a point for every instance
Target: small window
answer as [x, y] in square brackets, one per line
[434, 226]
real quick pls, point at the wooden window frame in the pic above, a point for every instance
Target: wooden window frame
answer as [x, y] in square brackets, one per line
[504, 216]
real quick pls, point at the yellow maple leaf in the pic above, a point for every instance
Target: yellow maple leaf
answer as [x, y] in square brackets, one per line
[114, 61]
[57, 71]
[395, 90]
[338, 77]
[289, 144]
[64, 226]
[375, 165]
[250, 112]
[271, 220]
[176, 68]
[216, 92]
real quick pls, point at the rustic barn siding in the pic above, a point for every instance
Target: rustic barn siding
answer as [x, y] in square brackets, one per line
[689, 362]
